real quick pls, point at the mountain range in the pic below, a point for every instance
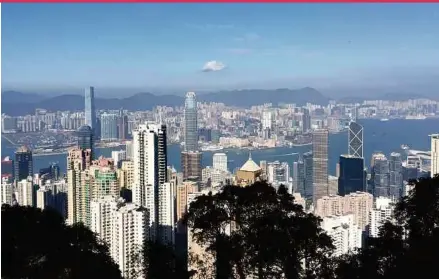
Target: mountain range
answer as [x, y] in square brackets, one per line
[17, 103]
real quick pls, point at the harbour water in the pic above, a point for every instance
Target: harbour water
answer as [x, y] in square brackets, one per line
[384, 136]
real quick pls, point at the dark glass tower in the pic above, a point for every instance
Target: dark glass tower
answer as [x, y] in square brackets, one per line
[352, 178]
[23, 164]
[190, 123]
[395, 169]
[85, 138]
[308, 170]
[380, 176]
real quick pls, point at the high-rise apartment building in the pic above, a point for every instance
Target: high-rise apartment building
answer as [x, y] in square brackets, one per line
[118, 156]
[345, 235]
[355, 140]
[434, 154]
[109, 128]
[352, 176]
[150, 169]
[90, 113]
[395, 175]
[381, 213]
[23, 163]
[102, 217]
[359, 204]
[320, 163]
[26, 192]
[220, 161]
[166, 216]
[126, 174]
[190, 122]
[7, 190]
[79, 192]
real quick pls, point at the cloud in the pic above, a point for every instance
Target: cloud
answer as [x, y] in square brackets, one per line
[239, 50]
[213, 66]
[249, 37]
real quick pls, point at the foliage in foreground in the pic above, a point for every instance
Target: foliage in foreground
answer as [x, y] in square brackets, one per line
[37, 244]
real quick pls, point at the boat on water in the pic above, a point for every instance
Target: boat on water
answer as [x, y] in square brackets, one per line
[211, 148]
[405, 147]
[416, 117]
[384, 119]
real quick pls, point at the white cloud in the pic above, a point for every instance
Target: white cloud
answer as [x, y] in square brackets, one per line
[213, 66]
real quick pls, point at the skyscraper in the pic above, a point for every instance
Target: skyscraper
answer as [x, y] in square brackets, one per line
[219, 161]
[90, 113]
[434, 154]
[85, 138]
[308, 170]
[320, 163]
[352, 178]
[150, 169]
[299, 177]
[395, 178]
[122, 125]
[355, 140]
[23, 163]
[109, 128]
[191, 165]
[190, 123]
[380, 176]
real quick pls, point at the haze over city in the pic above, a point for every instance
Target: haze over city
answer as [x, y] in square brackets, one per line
[341, 50]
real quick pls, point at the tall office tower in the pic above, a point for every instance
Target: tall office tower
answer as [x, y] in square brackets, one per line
[90, 113]
[220, 161]
[395, 178]
[263, 166]
[130, 231]
[122, 125]
[381, 213]
[191, 165]
[299, 177]
[355, 140]
[434, 154]
[375, 155]
[380, 176]
[26, 192]
[352, 178]
[150, 169]
[45, 198]
[86, 138]
[190, 123]
[79, 193]
[306, 126]
[278, 172]
[359, 204]
[7, 168]
[23, 164]
[109, 126]
[308, 170]
[345, 235]
[118, 156]
[320, 163]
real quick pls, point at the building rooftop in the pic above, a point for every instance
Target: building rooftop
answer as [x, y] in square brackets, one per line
[250, 165]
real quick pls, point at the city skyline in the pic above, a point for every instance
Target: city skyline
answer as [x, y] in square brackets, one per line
[256, 46]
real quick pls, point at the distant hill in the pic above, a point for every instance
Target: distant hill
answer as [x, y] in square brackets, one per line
[251, 97]
[13, 105]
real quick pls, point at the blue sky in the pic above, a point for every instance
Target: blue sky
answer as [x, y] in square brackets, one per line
[60, 46]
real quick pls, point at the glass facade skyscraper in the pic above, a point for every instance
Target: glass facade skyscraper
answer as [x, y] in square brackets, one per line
[85, 138]
[23, 163]
[320, 144]
[90, 112]
[109, 127]
[355, 140]
[352, 176]
[190, 123]
[395, 178]
[380, 176]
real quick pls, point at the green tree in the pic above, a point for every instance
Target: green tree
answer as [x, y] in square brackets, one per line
[260, 232]
[37, 244]
[409, 245]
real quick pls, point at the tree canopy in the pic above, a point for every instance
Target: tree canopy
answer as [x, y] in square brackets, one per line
[37, 244]
[259, 232]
